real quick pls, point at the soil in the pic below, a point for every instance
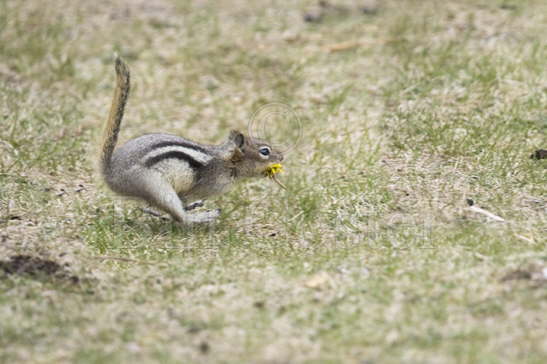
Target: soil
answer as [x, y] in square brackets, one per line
[36, 267]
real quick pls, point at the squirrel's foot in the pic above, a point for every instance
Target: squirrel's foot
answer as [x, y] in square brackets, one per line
[205, 217]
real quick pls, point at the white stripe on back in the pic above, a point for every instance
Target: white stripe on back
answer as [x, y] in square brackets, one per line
[192, 153]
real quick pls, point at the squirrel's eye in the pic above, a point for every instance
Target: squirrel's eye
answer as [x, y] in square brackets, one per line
[265, 151]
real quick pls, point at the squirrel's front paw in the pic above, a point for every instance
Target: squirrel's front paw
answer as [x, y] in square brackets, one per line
[194, 205]
[205, 217]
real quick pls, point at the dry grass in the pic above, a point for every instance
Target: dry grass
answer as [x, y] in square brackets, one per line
[372, 255]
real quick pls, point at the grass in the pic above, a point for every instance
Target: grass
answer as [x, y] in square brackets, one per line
[371, 255]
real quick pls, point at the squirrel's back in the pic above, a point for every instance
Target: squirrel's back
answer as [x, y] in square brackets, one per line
[181, 162]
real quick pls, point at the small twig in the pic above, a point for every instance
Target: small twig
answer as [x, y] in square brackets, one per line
[486, 213]
[343, 46]
[531, 241]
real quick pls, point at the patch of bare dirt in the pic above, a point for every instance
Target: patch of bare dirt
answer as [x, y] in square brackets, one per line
[36, 267]
[539, 154]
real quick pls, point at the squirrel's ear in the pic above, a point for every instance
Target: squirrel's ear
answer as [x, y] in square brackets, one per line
[238, 138]
[234, 151]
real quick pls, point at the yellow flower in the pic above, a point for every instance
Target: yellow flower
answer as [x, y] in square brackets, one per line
[273, 169]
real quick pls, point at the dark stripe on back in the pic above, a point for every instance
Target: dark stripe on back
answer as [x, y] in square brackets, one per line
[174, 155]
[178, 144]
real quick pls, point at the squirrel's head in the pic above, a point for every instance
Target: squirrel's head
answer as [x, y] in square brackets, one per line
[251, 156]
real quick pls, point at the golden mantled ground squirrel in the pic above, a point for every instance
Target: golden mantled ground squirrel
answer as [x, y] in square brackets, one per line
[173, 173]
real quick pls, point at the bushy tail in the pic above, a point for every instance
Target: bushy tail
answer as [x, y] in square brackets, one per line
[112, 125]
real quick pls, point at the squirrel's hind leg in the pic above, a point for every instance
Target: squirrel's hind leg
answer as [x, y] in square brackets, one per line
[161, 194]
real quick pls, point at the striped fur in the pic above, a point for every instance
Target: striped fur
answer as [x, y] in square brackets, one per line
[174, 154]
[194, 157]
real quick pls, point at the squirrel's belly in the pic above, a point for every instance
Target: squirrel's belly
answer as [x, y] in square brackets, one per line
[210, 186]
[180, 177]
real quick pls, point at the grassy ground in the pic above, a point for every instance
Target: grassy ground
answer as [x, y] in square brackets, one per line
[372, 255]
